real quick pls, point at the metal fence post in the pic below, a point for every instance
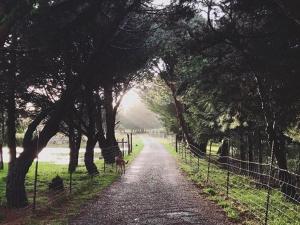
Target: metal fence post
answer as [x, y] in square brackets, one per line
[208, 165]
[228, 180]
[128, 144]
[228, 171]
[269, 185]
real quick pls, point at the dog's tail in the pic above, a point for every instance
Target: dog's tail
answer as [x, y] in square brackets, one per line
[126, 162]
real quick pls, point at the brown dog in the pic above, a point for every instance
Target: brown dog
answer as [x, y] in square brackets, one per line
[120, 163]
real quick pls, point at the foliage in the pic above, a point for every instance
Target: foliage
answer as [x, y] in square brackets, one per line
[246, 202]
[159, 100]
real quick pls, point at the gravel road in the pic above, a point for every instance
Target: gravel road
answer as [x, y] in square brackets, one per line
[153, 192]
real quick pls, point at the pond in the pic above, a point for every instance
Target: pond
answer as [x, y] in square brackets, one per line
[56, 155]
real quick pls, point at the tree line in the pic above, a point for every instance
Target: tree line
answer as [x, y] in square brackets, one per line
[217, 67]
[65, 67]
[231, 70]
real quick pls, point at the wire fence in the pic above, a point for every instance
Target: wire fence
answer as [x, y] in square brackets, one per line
[265, 192]
[41, 198]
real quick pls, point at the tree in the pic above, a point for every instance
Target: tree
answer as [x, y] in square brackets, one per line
[52, 117]
[270, 51]
[159, 100]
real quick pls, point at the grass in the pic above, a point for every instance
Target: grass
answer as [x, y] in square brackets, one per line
[245, 203]
[50, 209]
[2, 184]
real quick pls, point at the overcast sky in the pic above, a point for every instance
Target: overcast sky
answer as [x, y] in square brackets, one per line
[161, 2]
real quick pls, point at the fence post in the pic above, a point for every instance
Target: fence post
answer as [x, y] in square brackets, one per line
[176, 142]
[123, 147]
[182, 151]
[228, 179]
[269, 184]
[208, 165]
[228, 171]
[71, 173]
[128, 144]
[131, 144]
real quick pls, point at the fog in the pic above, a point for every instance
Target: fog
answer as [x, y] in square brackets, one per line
[134, 114]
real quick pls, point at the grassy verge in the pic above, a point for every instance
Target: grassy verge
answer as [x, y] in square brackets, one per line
[246, 202]
[50, 209]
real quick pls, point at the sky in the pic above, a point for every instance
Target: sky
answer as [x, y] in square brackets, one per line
[161, 2]
[130, 99]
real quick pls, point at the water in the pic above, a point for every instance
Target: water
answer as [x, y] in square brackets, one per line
[56, 155]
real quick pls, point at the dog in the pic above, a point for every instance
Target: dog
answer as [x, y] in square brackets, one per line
[120, 163]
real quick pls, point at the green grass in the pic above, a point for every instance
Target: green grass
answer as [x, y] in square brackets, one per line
[50, 209]
[2, 184]
[245, 203]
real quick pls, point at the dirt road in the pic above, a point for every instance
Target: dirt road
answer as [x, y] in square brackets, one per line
[153, 192]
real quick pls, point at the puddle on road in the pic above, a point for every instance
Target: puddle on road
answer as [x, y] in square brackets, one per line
[188, 217]
[179, 214]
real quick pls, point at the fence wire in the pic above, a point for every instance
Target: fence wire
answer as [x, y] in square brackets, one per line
[77, 183]
[246, 184]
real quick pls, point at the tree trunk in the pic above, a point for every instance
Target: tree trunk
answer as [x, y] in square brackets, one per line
[203, 146]
[180, 118]
[2, 137]
[3, 127]
[288, 182]
[109, 146]
[1, 157]
[11, 112]
[15, 183]
[251, 166]
[91, 133]
[243, 153]
[15, 186]
[89, 156]
[74, 145]
[260, 155]
[110, 115]
[224, 152]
